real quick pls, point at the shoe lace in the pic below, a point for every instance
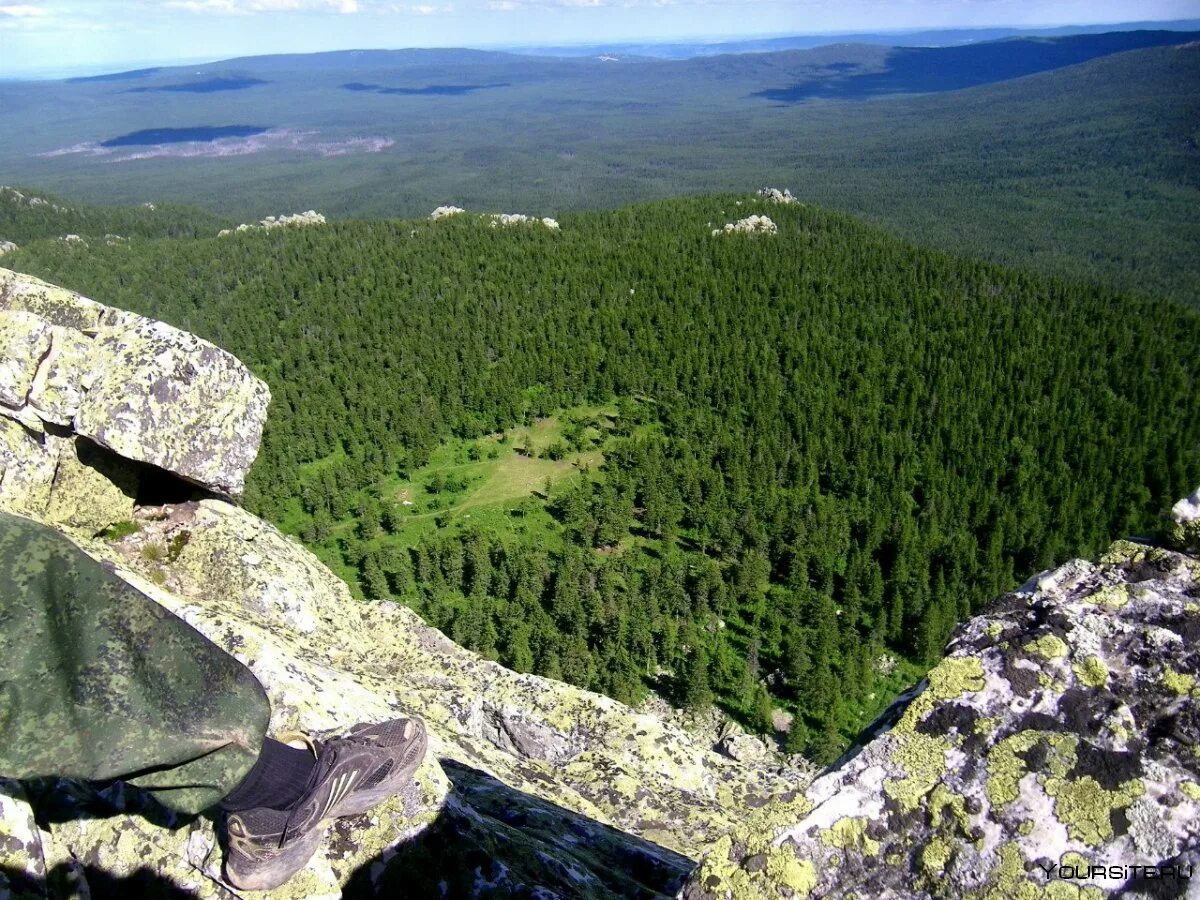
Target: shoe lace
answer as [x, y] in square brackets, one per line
[324, 764]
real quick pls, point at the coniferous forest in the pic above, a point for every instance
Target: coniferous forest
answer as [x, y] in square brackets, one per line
[766, 471]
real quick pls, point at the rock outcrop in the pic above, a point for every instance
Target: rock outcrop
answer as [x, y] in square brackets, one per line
[754, 224]
[13, 196]
[522, 219]
[530, 788]
[497, 219]
[1054, 752]
[309, 217]
[74, 372]
[774, 195]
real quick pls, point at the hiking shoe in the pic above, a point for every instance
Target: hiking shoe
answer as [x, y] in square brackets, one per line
[353, 774]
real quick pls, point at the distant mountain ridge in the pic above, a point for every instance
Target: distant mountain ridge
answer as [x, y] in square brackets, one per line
[1086, 169]
[940, 37]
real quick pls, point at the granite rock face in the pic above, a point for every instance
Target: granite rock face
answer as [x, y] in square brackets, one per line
[530, 787]
[1061, 733]
[142, 389]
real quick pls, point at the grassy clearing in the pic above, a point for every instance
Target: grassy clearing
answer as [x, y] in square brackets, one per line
[497, 484]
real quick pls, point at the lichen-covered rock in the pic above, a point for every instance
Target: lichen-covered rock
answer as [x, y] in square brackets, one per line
[743, 747]
[28, 459]
[22, 867]
[162, 396]
[1060, 731]
[146, 391]
[24, 342]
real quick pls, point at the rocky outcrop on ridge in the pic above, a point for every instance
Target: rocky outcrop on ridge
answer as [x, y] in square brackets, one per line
[522, 219]
[530, 787]
[754, 224]
[1054, 753]
[774, 195]
[309, 217]
[12, 195]
[497, 219]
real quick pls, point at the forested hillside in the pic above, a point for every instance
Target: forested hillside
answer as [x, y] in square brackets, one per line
[632, 454]
[27, 215]
[1091, 171]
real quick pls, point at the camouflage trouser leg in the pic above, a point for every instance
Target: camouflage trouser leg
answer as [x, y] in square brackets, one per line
[99, 682]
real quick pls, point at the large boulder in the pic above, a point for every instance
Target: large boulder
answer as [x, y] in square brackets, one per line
[146, 391]
[1052, 753]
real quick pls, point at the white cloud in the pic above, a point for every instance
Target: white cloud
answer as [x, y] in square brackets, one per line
[22, 10]
[412, 9]
[255, 6]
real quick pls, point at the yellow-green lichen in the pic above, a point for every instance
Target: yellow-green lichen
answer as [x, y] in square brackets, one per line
[1191, 790]
[1025, 828]
[1086, 807]
[1123, 551]
[1113, 597]
[754, 837]
[935, 855]
[1191, 607]
[994, 630]
[1178, 683]
[724, 875]
[1006, 768]
[1073, 860]
[986, 724]
[946, 807]
[1007, 880]
[850, 833]
[1063, 757]
[1091, 672]
[798, 874]
[1050, 646]
[923, 758]
[951, 678]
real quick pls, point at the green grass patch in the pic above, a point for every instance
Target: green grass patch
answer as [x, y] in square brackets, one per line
[497, 484]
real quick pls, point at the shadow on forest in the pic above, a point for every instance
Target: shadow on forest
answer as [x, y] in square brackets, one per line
[921, 70]
[430, 90]
[207, 86]
[486, 831]
[151, 136]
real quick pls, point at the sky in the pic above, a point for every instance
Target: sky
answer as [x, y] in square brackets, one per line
[71, 36]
